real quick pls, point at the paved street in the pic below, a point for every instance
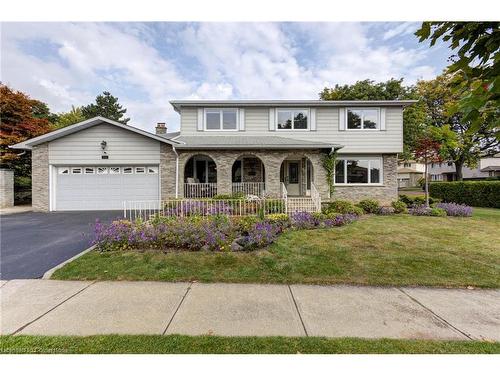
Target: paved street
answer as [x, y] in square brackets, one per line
[31, 243]
[50, 307]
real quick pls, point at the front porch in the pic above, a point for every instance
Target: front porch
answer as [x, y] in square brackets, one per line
[254, 175]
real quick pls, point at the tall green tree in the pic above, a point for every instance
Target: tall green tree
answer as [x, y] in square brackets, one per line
[106, 105]
[475, 67]
[414, 117]
[71, 117]
[462, 142]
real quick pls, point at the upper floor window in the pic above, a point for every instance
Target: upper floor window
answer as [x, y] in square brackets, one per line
[292, 119]
[221, 119]
[407, 165]
[363, 119]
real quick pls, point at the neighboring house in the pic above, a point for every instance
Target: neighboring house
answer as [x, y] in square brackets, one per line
[258, 147]
[488, 167]
[409, 173]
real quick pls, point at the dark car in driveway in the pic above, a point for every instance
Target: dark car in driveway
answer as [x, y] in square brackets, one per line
[31, 243]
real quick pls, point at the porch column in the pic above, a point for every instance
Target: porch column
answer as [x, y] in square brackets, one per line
[224, 164]
[272, 165]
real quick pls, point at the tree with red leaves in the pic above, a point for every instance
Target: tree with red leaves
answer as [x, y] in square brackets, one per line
[21, 118]
[427, 150]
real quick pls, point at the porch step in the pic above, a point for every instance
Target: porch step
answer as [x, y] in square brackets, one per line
[300, 204]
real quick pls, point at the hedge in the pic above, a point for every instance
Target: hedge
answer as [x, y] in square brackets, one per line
[472, 193]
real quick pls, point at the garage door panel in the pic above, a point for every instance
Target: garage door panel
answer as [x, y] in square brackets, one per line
[103, 191]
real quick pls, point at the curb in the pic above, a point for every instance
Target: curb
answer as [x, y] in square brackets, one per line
[49, 273]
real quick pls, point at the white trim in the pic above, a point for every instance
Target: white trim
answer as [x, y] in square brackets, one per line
[365, 158]
[342, 119]
[52, 187]
[362, 119]
[200, 119]
[312, 114]
[221, 119]
[293, 110]
[241, 112]
[272, 119]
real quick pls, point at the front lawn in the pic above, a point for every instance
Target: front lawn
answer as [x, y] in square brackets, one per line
[235, 345]
[376, 250]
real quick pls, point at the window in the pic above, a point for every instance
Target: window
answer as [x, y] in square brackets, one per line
[114, 170]
[76, 170]
[140, 170]
[292, 119]
[450, 164]
[102, 170]
[362, 119]
[89, 170]
[63, 171]
[407, 165]
[152, 170]
[221, 119]
[127, 170]
[358, 171]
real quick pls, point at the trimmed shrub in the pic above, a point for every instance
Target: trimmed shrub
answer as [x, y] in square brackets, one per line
[342, 207]
[471, 193]
[416, 200]
[435, 211]
[454, 209]
[369, 206]
[400, 207]
[386, 211]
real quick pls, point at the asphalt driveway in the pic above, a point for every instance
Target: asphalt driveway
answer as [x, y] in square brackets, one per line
[33, 242]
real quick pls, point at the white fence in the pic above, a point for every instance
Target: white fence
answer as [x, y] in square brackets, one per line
[202, 207]
[200, 190]
[316, 198]
[249, 188]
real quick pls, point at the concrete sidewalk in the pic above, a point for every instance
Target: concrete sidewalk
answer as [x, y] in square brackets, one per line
[49, 307]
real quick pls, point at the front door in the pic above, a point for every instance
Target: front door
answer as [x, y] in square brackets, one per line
[293, 177]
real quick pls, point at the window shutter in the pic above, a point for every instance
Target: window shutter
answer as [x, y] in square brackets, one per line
[382, 118]
[313, 119]
[272, 119]
[200, 119]
[342, 118]
[241, 113]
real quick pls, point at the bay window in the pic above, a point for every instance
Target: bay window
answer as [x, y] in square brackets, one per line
[358, 171]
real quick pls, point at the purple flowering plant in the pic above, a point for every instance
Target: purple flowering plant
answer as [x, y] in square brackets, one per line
[455, 209]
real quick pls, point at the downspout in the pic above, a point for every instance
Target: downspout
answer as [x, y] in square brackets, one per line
[176, 172]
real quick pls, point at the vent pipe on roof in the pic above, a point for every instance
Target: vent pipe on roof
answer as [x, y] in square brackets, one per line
[161, 128]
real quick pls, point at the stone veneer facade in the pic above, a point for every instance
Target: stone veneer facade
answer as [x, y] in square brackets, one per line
[385, 193]
[40, 177]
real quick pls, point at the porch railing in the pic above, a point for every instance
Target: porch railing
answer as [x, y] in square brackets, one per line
[249, 188]
[316, 198]
[200, 190]
[145, 210]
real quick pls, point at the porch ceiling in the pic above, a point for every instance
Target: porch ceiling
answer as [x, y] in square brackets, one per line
[249, 142]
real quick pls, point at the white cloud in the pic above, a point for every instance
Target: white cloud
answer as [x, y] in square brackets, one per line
[138, 63]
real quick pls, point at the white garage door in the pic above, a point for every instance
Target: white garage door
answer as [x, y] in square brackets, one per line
[104, 188]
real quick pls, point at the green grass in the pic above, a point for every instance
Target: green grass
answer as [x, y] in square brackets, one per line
[228, 345]
[377, 250]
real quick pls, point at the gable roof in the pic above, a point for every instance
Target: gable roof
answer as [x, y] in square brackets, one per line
[177, 104]
[28, 144]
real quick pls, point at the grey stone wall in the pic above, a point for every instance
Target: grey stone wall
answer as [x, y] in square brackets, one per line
[167, 171]
[6, 188]
[384, 194]
[40, 177]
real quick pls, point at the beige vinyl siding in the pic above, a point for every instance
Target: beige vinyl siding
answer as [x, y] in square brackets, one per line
[123, 147]
[327, 130]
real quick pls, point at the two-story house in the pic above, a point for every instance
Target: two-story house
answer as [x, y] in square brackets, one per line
[409, 173]
[258, 147]
[488, 166]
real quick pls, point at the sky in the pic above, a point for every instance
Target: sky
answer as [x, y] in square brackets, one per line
[148, 64]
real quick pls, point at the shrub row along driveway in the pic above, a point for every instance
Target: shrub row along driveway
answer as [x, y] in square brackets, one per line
[33, 242]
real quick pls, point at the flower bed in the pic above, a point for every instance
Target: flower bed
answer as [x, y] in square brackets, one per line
[212, 233]
[454, 209]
